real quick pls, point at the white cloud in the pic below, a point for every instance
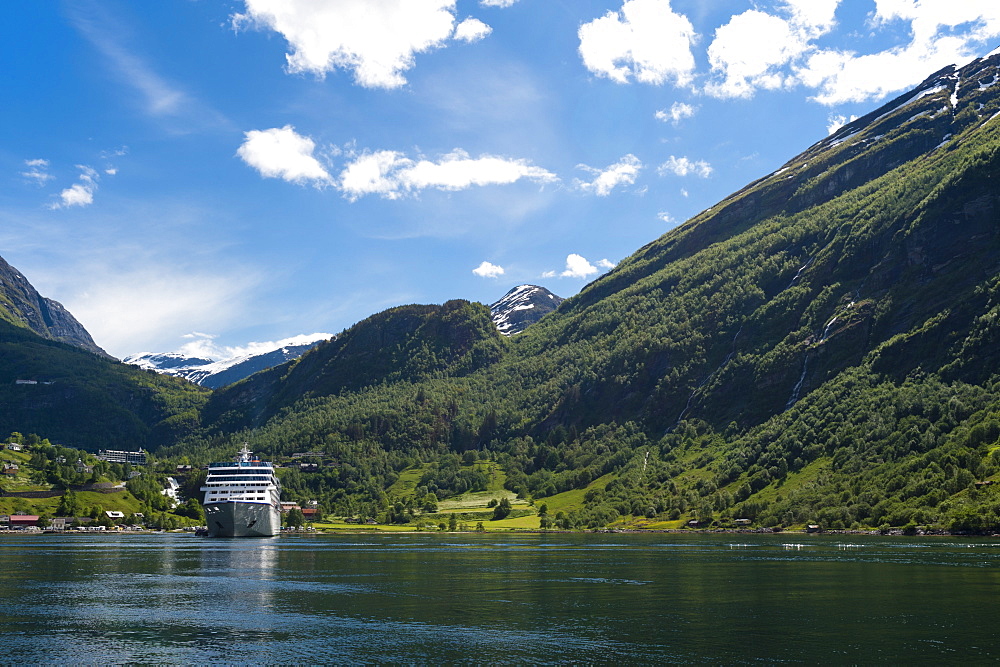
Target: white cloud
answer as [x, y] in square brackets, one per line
[678, 111]
[126, 306]
[487, 270]
[578, 267]
[814, 17]
[683, 166]
[645, 40]
[81, 193]
[749, 50]
[666, 217]
[392, 175]
[943, 32]
[623, 172]
[283, 153]
[548, 274]
[757, 50]
[37, 172]
[377, 40]
[472, 30]
[497, 3]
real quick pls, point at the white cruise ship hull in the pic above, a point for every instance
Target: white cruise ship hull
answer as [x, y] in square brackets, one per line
[242, 519]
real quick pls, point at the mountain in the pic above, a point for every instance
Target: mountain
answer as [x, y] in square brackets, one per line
[819, 347]
[213, 373]
[80, 399]
[23, 306]
[521, 307]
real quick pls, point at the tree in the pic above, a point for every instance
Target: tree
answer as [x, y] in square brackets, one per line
[502, 509]
[453, 523]
[295, 518]
[68, 504]
[430, 503]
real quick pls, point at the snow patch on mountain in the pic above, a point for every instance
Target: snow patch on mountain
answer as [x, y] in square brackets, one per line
[219, 372]
[521, 307]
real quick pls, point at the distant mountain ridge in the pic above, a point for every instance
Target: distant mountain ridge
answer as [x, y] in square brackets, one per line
[23, 306]
[521, 307]
[214, 373]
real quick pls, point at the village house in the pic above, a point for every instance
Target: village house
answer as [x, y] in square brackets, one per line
[13, 446]
[289, 506]
[10, 468]
[310, 513]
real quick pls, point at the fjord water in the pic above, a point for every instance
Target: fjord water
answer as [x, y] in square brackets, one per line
[431, 598]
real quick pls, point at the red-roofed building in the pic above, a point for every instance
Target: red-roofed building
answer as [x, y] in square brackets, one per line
[310, 513]
[23, 520]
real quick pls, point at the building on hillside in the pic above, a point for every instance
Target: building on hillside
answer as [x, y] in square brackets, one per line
[288, 506]
[137, 458]
[82, 467]
[14, 446]
[10, 468]
[310, 513]
[115, 515]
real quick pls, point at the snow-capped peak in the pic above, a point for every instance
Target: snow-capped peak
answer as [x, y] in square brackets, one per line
[522, 306]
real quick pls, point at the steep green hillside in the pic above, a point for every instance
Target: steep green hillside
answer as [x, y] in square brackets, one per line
[817, 347]
[83, 400]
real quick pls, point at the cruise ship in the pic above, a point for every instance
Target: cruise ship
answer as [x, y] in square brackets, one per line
[242, 498]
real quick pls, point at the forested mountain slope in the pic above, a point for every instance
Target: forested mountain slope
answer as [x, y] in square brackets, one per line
[79, 399]
[819, 346]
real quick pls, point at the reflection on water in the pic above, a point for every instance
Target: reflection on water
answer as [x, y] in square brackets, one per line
[497, 599]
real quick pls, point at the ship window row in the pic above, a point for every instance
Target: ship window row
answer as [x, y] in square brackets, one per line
[240, 478]
[236, 484]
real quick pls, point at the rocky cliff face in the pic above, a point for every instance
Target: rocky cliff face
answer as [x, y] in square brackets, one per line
[22, 305]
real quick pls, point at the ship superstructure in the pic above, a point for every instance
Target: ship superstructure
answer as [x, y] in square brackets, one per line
[242, 498]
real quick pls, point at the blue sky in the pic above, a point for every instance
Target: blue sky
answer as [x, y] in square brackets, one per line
[200, 176]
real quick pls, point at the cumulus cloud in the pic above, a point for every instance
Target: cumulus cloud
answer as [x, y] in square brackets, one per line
[392, 175]
[677, 112]
[488, 270]
[376, 40]
[472, 30]
[37, 172]
[646, 40]
[942, 32]
[777, 49]
[683, 166]
[80, 193]
[577, 266]
[749, 51]
[623, 172]
[283, 153]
